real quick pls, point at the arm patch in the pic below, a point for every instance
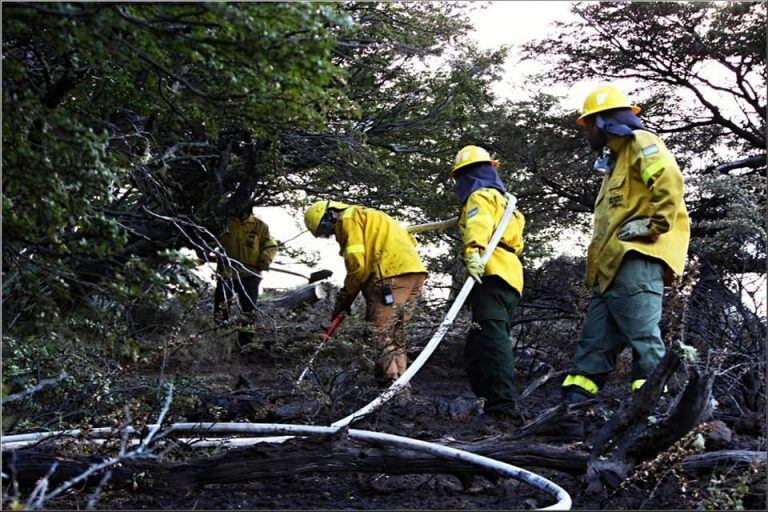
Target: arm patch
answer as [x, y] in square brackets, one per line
[471, 213]
[650, 150]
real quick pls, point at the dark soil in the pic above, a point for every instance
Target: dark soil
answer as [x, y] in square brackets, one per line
[258, 387]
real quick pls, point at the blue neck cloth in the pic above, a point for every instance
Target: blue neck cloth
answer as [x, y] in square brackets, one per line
[619, 122]
[480, 176]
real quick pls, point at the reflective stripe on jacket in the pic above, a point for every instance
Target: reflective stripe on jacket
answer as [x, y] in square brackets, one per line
[248, 241]
[479, 218]
[646, 182]
[374, 245]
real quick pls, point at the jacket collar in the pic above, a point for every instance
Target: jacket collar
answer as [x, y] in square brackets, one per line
[616, 143]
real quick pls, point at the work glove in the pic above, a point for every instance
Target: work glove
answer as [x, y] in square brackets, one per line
[475, 267]
[343, 303]
[638, 228]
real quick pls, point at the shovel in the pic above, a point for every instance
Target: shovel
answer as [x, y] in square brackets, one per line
[312, 278]
[328, 333]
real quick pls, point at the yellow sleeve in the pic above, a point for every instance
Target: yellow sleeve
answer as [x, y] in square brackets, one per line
[659, 171]
[351, 241]
[476, 223]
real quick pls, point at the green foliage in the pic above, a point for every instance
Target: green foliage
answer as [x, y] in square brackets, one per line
[732, 223]
[134, 129]
[85, 390]
[727, 491]
[90, 91]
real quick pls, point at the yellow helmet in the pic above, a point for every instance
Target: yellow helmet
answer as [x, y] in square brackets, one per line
[471, 155]
[316, 212]
[603, 98]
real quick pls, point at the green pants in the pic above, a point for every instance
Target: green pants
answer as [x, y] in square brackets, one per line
[627, 314]
[488, 355]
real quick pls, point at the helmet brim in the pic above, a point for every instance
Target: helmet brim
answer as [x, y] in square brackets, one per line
[494, 163]
[581, 121]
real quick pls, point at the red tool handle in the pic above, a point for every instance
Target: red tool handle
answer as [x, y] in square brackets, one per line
[332, 328]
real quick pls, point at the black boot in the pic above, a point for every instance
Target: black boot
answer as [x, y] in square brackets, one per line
[574, 395]
[504, 419]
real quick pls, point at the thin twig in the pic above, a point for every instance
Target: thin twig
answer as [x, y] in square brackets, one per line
[37, 497]
[97, 492]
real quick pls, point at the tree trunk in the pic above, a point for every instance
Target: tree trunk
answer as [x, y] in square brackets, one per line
[726, 458]
[293, 457]
[629, 437]
[308, 293]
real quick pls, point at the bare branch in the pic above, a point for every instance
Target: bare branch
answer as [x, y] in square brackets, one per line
[751, 162]
[30, 391]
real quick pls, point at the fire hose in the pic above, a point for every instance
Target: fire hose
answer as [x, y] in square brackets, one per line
[498, 467]
[442, 329]
[537, 481]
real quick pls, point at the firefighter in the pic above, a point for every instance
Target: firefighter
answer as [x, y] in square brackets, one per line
[250, 250]
[488, 354]
[639, 242]
[381, 261]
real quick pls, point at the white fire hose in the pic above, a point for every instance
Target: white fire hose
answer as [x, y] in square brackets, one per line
[286, 431]
[442, 329]
[498, 467]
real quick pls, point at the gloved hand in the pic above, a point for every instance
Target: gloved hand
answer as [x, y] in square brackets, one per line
[475, 267]
[343, 303]
[638, 228]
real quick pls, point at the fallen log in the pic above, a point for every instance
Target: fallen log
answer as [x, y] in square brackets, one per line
[310, 293]
[295, 456]
[527, 454]
[300, 456]
[706, 461]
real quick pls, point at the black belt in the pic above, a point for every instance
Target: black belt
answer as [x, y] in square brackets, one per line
[506, 248]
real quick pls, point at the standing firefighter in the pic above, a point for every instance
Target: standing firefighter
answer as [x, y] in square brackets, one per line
[640, 239]
[251, 249]
[382, 262]
[488, 354]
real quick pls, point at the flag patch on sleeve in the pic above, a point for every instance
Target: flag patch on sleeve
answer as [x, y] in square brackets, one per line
[650, 150]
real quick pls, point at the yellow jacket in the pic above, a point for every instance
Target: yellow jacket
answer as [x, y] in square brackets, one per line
[646, 182]
[248, 241]
[374, 246]
[478, 220]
